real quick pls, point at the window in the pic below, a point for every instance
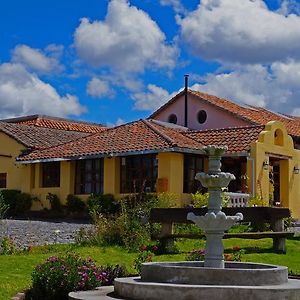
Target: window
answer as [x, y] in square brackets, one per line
[51, 174]
[235, 167]
[172, 119]
[202, 116]
[193, 164]
[3, 180]
[89, 176]
[138, 173]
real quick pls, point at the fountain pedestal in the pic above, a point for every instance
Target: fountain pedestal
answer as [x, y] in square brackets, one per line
[215, 222]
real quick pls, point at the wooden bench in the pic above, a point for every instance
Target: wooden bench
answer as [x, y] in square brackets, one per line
[272, 215]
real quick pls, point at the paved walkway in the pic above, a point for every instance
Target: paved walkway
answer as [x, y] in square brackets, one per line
[28, 233]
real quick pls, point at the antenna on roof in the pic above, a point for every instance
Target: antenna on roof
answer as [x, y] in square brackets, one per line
[186, 83]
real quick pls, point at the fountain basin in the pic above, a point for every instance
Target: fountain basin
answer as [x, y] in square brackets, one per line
[134, 288]
[234, 273]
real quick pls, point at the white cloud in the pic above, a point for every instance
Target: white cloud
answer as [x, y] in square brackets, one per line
[244, 31]
[296, 112]
[275, 87]
[289, 7]
[127, 40]
[119, 122]
[23, 93]
[152, 99]
[99, 88]
[36, 60]
[176, 4]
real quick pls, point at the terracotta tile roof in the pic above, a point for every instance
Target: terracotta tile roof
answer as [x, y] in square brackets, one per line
[252, 114]
[57, 123]
[237, 139]
[139, 136]
[38, 137]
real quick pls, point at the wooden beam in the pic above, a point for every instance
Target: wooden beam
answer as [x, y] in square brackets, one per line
[4, 155]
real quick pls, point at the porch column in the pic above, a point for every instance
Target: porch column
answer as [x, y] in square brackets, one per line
[170, 169]
[111, 176]
[28, 175]
[286, 173]
[67, 173]
[261, 174]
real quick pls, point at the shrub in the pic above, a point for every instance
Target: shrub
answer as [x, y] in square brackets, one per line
[201, 200]
[236, 255]
[129, 228]
[24, 202]
[112, 272]
[54, 201]
[86, 236]
[58, 276]
[10, 198]
[102, 204]
[257, 201]
[167, 200]
[196, 255]
[109, 230]
[143, 256]
[15, 201]
[75, 204]
[152, 247]
[3, 207]
[8, 246]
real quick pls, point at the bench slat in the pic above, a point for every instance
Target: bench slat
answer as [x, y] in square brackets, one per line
[243, 235]
[254, 214]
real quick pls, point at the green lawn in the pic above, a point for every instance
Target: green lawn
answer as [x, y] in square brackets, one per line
[15, 270]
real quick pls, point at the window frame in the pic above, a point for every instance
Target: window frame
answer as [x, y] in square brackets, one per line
[3, 180]
[201, 116]
[89, 181]
[172, 118]
[144, 166]
[190, 184]
[51, 174]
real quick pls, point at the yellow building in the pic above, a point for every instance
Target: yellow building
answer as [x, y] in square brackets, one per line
[150, 155]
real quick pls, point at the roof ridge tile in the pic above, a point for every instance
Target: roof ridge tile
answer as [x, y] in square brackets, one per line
[163, 135]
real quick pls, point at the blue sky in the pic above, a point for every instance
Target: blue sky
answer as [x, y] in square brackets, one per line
[115, 61]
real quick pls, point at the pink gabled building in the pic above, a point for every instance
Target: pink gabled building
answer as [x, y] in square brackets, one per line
[206, 111]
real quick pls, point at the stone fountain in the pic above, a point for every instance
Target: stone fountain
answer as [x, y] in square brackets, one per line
[213, 278]
[215, 222]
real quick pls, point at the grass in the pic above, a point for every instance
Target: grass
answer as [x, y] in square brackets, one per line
[15, 270]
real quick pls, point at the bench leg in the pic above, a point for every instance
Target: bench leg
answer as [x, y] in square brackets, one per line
[279, 245]
[167, 244]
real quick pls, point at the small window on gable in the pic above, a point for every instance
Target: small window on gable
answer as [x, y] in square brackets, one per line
[172, 119]
[278, 137]
[3, 180]
[202, 116]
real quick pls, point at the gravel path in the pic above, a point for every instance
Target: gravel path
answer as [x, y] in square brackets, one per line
[27, 233]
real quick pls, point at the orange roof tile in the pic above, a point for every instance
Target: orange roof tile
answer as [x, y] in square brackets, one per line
[38, 137]
[254, 115]
[140, 136]
[57, 123]
[237, 139]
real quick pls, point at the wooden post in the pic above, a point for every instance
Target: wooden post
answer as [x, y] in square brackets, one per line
[279, 244]
[167, 244]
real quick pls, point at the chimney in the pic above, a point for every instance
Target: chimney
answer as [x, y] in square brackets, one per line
[186, 80]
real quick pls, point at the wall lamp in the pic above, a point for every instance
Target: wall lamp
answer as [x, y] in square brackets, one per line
[296, 169]
[266, 165]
